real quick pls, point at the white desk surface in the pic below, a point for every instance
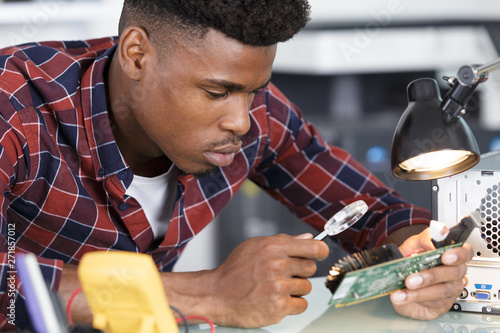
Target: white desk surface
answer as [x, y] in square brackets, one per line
[371, 316]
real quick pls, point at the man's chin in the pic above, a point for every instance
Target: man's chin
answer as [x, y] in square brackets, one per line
[203, 173]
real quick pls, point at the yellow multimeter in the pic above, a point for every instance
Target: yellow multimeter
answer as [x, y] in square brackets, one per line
[125, 293]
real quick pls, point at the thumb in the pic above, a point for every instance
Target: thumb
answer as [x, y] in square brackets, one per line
[307, 235]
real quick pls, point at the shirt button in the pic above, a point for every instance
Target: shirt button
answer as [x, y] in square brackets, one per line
[122, 175]
[101, 172]
[123, 206]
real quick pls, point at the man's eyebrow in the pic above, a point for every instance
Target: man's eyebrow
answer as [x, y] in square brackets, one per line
[233, 86]
[264, 85]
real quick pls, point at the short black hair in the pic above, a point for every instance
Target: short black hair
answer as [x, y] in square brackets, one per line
[252, 22]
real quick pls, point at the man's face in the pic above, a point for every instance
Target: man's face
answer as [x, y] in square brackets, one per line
[196, 100]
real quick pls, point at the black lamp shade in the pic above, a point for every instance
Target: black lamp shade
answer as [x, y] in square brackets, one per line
[425, 144]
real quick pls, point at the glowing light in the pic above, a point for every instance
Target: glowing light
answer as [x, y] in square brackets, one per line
[435, 161]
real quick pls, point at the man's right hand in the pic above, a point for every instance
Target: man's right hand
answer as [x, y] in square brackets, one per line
[263, 280]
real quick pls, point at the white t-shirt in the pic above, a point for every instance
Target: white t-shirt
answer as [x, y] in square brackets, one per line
[156, 195]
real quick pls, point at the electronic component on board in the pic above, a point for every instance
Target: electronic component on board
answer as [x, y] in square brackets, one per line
[360, 260]
[377, 272]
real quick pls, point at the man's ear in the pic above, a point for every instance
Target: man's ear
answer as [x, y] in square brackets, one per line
[133, 51]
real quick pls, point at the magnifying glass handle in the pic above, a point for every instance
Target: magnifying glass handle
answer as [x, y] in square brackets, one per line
[321, 235]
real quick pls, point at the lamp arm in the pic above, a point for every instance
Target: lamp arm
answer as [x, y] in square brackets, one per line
[463, 86]
[472, 74]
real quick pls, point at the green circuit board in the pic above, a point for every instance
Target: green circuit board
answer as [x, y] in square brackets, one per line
[379, 280]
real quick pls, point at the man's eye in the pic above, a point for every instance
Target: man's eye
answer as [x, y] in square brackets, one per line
[217, 95]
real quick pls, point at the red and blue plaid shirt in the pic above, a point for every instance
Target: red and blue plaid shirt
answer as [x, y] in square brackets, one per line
[63, 178]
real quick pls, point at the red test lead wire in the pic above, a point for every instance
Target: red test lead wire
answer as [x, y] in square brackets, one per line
[205, 319]
[68, 308]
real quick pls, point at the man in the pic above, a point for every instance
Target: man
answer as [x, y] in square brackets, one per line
[136, 143]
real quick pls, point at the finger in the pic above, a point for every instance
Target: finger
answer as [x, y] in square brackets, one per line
[297, 305]
[285, 304]
[287, 267]
[419, 241]
[457, 255]
[307, 248]
[437, 292]
[300, 287]
[454, 269]
[425, 240]
[302, 268]
[307, 235]
[435, 275]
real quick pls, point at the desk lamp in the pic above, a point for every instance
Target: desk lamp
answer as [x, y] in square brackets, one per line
[432, 140]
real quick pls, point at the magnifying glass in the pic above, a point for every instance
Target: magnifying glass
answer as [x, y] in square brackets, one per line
[343, 219]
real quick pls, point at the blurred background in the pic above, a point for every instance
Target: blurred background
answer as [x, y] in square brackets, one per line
[347, 71]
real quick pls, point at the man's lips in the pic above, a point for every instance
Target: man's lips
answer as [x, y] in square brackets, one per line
[223, 156]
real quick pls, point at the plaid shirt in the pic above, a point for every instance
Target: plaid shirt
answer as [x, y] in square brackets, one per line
[63, 178]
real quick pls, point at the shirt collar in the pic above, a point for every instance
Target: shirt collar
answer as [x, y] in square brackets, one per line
[105, 153]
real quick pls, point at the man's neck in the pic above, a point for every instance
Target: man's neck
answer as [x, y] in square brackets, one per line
[131, 139]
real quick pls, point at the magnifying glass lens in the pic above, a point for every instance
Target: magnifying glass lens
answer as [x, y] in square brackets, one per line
[343, 219]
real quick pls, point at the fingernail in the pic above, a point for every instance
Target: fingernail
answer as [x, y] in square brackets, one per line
[307, 235]
[399, 296]
[414, 280]
[451, 258]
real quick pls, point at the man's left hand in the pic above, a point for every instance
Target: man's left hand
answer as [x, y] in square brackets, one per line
[431, 293]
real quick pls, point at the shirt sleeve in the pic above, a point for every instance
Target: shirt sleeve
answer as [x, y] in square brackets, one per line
[14, 168]
[316, 179]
